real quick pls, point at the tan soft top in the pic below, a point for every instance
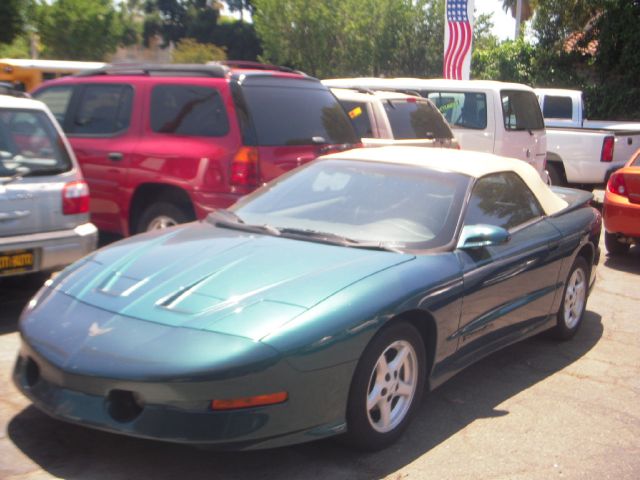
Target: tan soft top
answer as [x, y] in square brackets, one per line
[473, 164]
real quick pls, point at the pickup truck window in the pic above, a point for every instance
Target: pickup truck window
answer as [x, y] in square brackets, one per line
[520, 110]
[503, 200]
[413, 118]
[557, 107]
[461, 109]
[188, 110]
[357, 112]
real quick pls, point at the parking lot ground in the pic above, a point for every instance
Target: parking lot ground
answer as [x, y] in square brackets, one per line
[536, 410]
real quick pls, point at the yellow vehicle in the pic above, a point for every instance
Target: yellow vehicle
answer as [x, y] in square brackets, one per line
[26, 74]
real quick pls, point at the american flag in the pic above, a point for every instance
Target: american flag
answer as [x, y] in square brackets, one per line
[458, 47]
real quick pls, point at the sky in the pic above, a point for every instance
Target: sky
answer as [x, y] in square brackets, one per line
[503, 23]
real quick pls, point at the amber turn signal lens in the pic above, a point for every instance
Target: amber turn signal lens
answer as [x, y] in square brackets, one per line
[247, 402]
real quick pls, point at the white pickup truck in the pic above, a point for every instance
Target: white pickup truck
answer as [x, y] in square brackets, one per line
[582, 151]
[391, 118]
[487, 116]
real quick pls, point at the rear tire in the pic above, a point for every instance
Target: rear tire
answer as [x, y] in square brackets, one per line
[386, 388]
[613, 246]
[162, 215]
[555, 175]
[574, 300]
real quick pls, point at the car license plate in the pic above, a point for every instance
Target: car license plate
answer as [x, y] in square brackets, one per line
[17, 261]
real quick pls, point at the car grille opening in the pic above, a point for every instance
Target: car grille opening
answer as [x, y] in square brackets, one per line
[123, 405]
[31, 373]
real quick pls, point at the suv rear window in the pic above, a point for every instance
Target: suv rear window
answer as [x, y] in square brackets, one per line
[188, 110]
[521, 111]
[30, 145]
[415, 119]
[292, 115]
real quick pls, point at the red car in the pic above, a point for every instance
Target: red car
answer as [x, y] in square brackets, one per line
[166, 144]
[621, 211]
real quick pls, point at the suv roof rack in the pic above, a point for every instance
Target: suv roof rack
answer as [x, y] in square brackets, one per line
[160, 70]
[249, 65]
[8, 89]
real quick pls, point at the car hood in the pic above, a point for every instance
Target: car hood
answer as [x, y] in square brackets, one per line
[222, 280]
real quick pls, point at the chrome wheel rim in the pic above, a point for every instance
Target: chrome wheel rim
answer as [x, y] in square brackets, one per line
[392, 386]
[163, 221]
[574, 297]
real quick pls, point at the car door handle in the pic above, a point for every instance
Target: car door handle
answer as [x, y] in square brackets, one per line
[115, 156]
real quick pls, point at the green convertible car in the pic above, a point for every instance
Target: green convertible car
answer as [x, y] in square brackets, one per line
[324, 303]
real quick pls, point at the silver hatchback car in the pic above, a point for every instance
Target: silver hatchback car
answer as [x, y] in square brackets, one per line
[44, 201]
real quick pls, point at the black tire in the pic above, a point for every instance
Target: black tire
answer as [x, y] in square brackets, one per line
[161, 215]
[400, 390]
[574, 300]
[613, 246]
[555, 175]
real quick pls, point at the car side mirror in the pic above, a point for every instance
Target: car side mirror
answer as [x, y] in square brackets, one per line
[479, 236]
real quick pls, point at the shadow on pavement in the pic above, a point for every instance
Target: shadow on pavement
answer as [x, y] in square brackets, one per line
[73, 452]
[15, 293]
[629, 262]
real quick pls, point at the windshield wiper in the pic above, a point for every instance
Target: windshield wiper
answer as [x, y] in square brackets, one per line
[20, 172]
[337, 239]
[222, 215]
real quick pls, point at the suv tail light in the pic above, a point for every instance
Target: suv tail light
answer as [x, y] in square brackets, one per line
[75, 198]
[617, 185]
[244, 167]
[607, 149]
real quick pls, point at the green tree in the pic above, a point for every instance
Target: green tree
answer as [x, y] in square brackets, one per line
[12, 15]
[79, 29]
[353, 37]
[189, 50]
[615, 92]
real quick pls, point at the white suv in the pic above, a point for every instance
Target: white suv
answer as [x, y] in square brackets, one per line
[44, 201]
[392, 118]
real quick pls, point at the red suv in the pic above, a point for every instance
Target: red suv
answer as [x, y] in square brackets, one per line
[166, 144]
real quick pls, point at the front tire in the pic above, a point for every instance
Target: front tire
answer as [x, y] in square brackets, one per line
[161, 215]
[613, 246]
[386, 388]
[574, 300]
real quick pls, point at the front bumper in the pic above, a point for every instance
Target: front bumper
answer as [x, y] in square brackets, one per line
[57, 249]
[178, 411]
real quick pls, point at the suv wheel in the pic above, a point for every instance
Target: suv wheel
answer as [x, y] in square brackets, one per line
[161, 215]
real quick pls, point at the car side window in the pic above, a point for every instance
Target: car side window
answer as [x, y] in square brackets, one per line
[357, 112]
[103, 109]
[501, 199]
[188, 110]
[57, 99]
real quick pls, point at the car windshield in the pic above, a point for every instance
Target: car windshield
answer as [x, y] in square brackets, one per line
[30, 145]
[363, 203]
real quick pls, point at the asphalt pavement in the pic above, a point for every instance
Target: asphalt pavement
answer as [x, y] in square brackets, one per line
[536, 410]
